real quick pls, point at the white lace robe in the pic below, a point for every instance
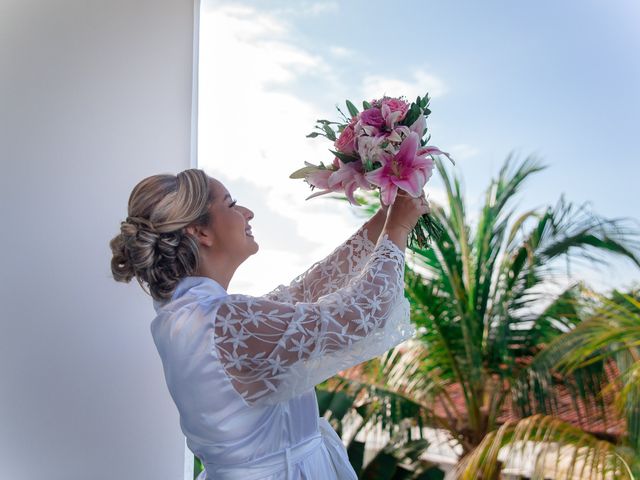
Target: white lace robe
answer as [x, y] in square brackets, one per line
[241, 369]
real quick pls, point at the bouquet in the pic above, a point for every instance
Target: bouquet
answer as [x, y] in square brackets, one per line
[383, 147]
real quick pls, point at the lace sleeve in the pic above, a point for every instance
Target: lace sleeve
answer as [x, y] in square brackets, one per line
[273, 351]
[330, 273]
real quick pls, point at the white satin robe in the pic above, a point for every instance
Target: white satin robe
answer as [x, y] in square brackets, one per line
[242, 370]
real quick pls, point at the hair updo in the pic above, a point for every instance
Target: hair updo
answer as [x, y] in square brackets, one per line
[152, 244]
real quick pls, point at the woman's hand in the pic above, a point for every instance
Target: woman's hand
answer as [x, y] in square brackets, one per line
[403, 215]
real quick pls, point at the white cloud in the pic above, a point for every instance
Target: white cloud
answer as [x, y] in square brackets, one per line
[305, 8]
[341, 52]
[252, 135]
[462, 151]
[436, 194]
[374, 86]
[317, 8]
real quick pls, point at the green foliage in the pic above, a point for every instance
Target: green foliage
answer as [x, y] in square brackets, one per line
[344, 157]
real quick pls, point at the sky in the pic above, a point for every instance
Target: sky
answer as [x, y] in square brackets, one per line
[556, 80]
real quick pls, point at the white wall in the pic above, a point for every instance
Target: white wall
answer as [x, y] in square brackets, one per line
[94, 96]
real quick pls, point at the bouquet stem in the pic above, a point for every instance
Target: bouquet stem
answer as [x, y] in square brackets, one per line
[427, 230]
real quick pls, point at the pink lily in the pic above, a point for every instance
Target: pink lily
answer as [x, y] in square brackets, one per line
[408, 170]
[419, 125]
[369, 147]
[320, 179]
[390, 118]
[397, 134]
[348, 177]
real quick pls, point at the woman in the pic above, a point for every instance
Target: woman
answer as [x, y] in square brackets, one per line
[242, 369]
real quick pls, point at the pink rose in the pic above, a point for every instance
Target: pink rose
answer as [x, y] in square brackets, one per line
[346, 141]
[396, 105]
[372, 117]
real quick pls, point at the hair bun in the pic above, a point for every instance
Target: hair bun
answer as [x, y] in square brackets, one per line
[160, 253]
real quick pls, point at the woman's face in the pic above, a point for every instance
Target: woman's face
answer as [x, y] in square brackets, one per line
[229, 226]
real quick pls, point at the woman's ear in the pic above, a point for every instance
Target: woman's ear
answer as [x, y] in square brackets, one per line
[201, 234]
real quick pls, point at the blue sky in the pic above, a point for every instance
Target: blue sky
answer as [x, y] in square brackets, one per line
[556, 79]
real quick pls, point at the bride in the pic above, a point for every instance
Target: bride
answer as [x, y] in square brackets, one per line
[242, 369]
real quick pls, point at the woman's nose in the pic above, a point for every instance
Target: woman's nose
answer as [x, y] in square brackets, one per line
[249, 214]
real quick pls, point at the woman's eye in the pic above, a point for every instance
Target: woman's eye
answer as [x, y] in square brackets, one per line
[233, 203]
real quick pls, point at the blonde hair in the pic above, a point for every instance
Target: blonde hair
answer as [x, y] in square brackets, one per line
[152, 245]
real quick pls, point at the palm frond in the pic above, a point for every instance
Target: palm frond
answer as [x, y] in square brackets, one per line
[544, 447]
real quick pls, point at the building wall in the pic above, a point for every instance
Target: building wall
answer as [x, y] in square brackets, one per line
[95, 95]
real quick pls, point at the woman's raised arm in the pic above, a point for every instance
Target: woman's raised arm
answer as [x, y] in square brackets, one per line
[272, 351]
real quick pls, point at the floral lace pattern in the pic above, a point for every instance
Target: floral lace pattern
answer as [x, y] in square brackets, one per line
[344, 310]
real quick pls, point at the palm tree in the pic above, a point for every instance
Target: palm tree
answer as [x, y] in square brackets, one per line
[479, 297]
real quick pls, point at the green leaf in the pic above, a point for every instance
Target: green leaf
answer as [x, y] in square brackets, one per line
[313, 135]
[344, 157]
[412, 115]
[368, 165]
[352, 109]
[366, 105]
[330, 133]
